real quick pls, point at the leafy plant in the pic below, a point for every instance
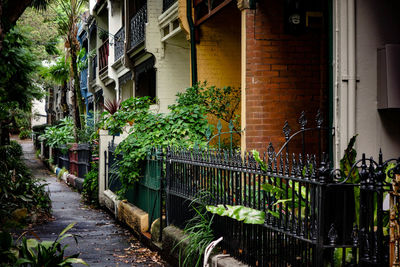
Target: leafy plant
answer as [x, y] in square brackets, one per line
[59, 135]
[199, 234]
[239, 213]
[111, 106]
[61, 172]
[91, 185]
[20, 193]
[31, 252]
[24, 134]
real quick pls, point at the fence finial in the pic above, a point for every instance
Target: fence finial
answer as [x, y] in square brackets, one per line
[319, 119]
[332, 235]
[303, 120]
[286, 130]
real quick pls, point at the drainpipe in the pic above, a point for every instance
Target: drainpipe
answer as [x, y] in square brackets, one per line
[352, 79]
[193, 59]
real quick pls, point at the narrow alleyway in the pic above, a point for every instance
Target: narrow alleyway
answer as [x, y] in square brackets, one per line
[102, 241]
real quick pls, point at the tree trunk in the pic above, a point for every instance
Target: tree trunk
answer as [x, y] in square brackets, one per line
[77, 87]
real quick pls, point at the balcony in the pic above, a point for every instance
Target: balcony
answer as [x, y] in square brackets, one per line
[103, 56]
[137, 27]
[167, 4]
[93, 66]
[119, 43]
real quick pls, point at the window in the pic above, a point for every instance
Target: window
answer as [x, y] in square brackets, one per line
[145, 79]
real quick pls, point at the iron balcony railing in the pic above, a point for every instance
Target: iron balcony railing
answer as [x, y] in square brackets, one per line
[93, 66]
[119, 43]
[167, 4]
[84, 73]
[103, 56]
[138, 22]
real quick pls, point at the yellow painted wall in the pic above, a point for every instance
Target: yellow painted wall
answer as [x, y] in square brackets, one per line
[218, 52]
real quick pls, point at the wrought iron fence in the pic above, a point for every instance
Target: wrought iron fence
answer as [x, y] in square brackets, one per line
[103, 56]
[314, 215]
[93, 66]
[119, 38]
[112, 180]
[137, 25]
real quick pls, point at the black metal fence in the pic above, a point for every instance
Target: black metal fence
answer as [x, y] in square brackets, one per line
[314, 215]
[119, 38]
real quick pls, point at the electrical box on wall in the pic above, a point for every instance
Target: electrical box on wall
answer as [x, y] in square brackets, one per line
[389, 77]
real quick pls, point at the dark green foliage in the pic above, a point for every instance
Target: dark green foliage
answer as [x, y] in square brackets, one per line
[199, 234]
[24, 134]
[184, 126]
[223, 103]
[17, 86]
[17, 66]
[91, 185]
[31, 252]
[19, 191]
[60, 134]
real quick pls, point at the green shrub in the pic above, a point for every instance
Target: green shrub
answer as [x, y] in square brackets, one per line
[31, 252]
[21, 193]
[199, 233]
[59, 135]
[91, 185]
[24, 134]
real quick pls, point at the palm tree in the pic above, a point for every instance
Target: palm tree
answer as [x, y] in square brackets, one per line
[69, 12]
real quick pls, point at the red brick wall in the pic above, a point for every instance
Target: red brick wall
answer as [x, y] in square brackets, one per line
[285, 74]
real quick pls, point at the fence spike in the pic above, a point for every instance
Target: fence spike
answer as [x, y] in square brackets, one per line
[332, 235]
[280, 164]
[275, 163]
[294, 165]
[286, 130]
[300, 166]
[354, 236]
[287, 164]
[303, 120]
[319, 119]
[314, 166]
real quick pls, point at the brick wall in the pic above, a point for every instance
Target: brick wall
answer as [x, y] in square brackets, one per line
[285, 74]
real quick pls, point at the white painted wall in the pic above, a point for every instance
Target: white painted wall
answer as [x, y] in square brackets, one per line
[39, 108]
[376, 24]
[171, 58]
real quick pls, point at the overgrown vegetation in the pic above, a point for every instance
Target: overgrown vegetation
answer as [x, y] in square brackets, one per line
[17, 80]
[60, 134]
[199, 233]
[31, 252]
[91, 185]
[184, 126]
[22, 196]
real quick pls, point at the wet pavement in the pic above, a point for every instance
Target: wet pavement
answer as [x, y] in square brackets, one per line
[101, 241]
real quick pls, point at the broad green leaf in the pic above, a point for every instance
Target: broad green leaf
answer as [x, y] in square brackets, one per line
[76, 260]
[239, 213]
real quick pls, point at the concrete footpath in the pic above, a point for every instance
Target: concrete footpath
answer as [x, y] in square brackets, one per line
[102, 241]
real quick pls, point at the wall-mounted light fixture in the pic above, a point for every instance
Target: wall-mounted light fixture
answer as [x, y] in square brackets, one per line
[294, 16]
